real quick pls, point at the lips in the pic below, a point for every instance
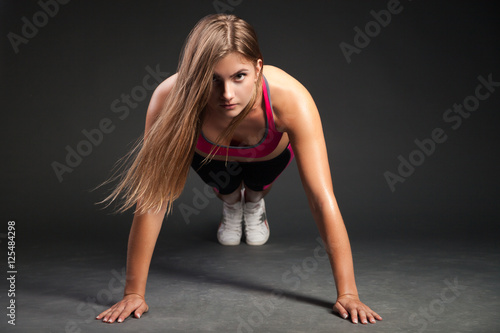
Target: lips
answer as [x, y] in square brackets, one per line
[228, 106]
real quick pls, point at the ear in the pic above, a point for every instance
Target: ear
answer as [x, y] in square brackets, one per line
[258, 67]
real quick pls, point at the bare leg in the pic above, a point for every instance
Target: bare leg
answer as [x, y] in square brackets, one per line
[231, 198]
[255, 196]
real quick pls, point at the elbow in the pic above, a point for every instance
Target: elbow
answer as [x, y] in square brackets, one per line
[321, 204]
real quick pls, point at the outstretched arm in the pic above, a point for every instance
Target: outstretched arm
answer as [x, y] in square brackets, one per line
[300, 119]
[142, 239]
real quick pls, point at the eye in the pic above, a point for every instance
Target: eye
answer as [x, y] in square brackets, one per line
[240, 76]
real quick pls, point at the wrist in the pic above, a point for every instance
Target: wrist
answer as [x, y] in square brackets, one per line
[132, 293]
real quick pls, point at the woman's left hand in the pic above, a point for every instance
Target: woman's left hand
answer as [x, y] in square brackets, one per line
[351, 305]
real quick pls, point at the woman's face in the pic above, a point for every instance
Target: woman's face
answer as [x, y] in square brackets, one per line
[233, 83]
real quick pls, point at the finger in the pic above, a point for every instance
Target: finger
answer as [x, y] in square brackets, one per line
[354, 316]
[362, 317]
[113, 315]
[125, 313]
[102, 314]
[142, 309]
[340, 310]
[375, 315]
[371, 319]
[107, 315]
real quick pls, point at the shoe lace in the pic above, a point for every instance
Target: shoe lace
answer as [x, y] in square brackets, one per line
[255, 218]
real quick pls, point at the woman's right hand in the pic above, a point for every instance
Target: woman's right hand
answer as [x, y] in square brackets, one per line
[131, 303]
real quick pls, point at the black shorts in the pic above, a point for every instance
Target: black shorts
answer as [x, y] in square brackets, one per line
[226, 177]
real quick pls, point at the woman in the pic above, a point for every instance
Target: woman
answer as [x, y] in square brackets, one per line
[215, 114]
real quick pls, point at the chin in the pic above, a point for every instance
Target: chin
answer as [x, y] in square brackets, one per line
[236, 110]
[233, 113]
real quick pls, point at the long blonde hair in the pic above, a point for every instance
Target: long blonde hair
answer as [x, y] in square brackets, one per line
[161, 160]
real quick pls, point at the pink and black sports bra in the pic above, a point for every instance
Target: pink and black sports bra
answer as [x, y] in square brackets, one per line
[266, 145]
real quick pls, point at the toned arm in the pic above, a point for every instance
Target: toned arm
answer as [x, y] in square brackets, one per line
[146, 227]
[143, 236]
[299, 117]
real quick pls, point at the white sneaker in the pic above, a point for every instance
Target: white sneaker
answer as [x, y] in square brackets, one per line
[256, 227]
[229, 232]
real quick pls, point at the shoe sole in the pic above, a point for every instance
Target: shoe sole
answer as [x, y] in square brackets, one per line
[228, 243]
[257, 244]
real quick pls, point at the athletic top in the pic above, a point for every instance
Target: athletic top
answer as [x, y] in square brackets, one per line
[267, 144]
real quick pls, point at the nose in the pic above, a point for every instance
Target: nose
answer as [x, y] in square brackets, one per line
[228, 92]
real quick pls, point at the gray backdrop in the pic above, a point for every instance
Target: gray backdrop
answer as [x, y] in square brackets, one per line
[87, 69]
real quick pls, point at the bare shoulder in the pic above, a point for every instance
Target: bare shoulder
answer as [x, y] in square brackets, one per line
[288, 96]
[167, 84]
[280, 82]
[158, 99]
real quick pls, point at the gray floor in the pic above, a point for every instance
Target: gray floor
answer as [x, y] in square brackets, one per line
[196, 285]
